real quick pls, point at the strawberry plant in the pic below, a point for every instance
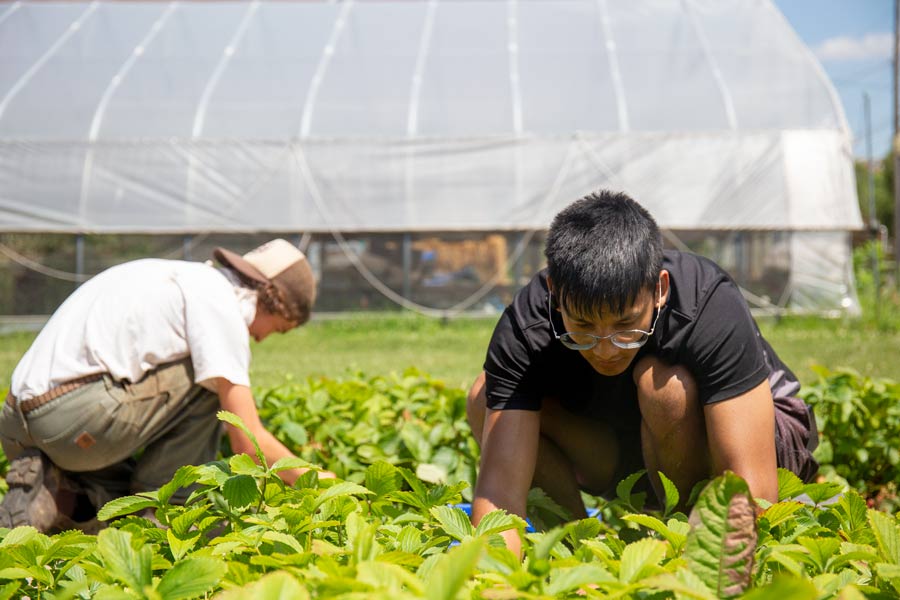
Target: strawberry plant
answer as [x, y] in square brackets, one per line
[408, 420]
[859, 425]
[388, 527]
[243, 533]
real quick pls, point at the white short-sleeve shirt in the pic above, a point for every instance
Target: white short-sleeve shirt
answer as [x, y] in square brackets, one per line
[136, 316]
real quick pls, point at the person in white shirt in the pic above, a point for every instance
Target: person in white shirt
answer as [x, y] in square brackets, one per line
[122, 385]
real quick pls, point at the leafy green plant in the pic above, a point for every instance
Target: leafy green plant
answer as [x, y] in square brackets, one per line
[385, 532]
[409, 420]
[859, 425]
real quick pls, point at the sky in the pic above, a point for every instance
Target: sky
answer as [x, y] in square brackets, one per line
[853, 39]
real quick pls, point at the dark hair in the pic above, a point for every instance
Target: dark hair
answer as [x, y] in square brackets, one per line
[273, 300]
[602, 252]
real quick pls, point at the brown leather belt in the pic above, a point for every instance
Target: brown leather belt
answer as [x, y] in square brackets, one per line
[64, 388]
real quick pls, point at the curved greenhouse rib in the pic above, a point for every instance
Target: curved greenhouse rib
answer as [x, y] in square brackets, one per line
[399, 299]
[193, 160]
[114, 83]
[224, 60]
[820, 72]
[117, 79]
[515, 89]
[53, 49]
[9, 11]
[613, 57]
[40, 268]
[727, 100]
[324, 61]
[512, 28]
[412, 117]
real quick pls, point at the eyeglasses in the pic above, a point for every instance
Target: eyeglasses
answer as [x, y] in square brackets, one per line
[626, 340]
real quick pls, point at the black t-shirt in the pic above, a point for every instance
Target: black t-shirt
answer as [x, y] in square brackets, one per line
[704, 326]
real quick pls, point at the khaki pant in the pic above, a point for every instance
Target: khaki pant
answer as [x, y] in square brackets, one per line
[113, 439]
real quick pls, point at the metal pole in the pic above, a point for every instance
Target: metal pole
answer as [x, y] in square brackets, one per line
[897, 140]
[186, 243]
[407, 266]
[79, 257]
[873, 219]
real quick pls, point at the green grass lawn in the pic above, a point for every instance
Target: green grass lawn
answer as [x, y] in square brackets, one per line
[454, 351]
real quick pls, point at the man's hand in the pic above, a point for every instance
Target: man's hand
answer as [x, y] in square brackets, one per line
[238, 399]
[509, 446]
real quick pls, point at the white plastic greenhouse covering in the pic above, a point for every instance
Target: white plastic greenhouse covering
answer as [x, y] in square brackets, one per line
[416, 116]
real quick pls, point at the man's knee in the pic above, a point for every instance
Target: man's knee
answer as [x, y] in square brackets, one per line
[476, 403]
[667, 394]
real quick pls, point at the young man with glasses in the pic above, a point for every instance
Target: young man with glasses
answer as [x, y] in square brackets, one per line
[621, 356]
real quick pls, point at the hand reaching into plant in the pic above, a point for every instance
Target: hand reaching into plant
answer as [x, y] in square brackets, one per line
[238, 399]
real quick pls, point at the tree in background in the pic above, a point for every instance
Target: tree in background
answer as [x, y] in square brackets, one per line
[884, 191]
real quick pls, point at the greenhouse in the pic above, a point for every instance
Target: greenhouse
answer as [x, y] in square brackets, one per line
[417, 149]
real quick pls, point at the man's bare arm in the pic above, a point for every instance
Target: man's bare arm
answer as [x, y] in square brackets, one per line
[509, 445]
[741, 434]
[238, 399]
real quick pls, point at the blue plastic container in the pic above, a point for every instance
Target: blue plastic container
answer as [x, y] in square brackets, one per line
[467, 508]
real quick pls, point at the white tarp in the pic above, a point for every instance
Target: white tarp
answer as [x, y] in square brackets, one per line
[415, 116]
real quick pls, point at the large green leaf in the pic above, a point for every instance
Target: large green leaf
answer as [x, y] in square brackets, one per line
[671, 491]
[123, 563]
[547, 541]
[383, 478]
[8, 591]
[640, 559]
[283, 538]
[822, 492]
[410, 539]
[18, 536]
[454, 521]
[887, 534]
[623, 489]
[125, 505]
[186, 521]
[388, 577]
[780, 512]
[279, 585]
[236, 421]
[450, 573]
[784, 588]
[722, 539]
[344, 488]
[191, 577]
[851, 592]
[583, 529]
[240, 491]
[242, 464]
[683, 582]
[180, 545]
[184, 477]
[821, 550]
[675, 538]
[290, 462]
[891, 573]
[789, 485]
[498, 521]
[68, 545]
[567, 579]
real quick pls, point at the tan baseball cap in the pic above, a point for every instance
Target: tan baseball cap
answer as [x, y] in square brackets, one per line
[280, 262]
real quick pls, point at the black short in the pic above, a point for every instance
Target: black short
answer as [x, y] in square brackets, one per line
[613, 400]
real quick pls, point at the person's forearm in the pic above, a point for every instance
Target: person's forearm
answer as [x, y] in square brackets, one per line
[762, 485]
[483, 503]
